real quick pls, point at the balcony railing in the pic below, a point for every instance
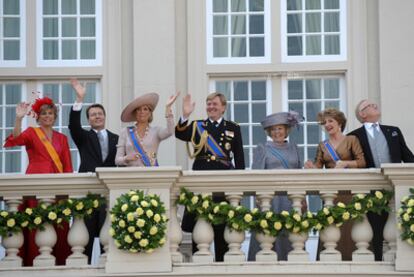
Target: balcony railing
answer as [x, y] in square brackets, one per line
[168, 260]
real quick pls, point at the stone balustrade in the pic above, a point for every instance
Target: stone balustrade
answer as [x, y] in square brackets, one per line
[168, 260]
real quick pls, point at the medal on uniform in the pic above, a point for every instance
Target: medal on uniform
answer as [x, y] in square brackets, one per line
[229, 133]
[227, 146]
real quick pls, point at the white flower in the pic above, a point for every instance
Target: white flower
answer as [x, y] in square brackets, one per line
[325, 211]
[255, 210]
[79, 206]
[309, 214]
[330, 219]
[140, 223]
[37, 220]
[406, 217]
[360, 195]
[137, 235]
[296, 229]
[149, 213]
[357, 206]
[162, 241]
[379, 194]
[111, 232]
[305, 224]
[11, 222]
[52, 215]
[285, 213]
[131, 229]
[143, 242]
[235, 226]
[248, 218]
[277, 225]
[124, 207]
[341, 205]
[205, 204]
[194, 200]
[230, 214]
[139, 211]
[346, 215]
[410, 203]
[297, 217]
[263, 223]
[29, 211]
[121, 223]
[318, 226]
[182, 196]
[134, 198]
[157, 218]
[412, 227]
[216, 209]
[130, 216]
[154, 202]
[269, 214]
[127, 239]
[144, 204]
[153, 230]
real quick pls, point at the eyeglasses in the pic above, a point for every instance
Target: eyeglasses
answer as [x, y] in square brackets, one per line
[371, 105]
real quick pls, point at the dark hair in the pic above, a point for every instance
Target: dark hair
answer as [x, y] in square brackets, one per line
[335, 114]
[94, 106]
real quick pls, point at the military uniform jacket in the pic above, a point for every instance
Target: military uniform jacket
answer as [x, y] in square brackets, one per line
[228, 137]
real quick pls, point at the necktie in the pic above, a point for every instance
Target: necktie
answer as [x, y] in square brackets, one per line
[215, 124]
[104, 145]
[375, 130]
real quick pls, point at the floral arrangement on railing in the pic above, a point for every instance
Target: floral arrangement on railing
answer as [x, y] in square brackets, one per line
[406, 218]
[139, 223]
[240, 218]
[37, 217]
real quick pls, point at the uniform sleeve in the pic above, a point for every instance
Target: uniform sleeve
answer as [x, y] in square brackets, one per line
[120, 148]
[406, 154]
[357, 152]
[183, 131]
[66, 157]
[238, 149]
[24, 139]
[164, 133]
[259, 157]
[319, 161]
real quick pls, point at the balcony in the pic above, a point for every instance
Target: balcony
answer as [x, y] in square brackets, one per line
[169, 261]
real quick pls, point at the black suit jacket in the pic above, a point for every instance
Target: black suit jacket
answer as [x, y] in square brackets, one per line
[88, 145]
[399, 151]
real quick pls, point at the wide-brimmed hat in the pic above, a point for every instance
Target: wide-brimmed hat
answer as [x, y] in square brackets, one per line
[149, 99]
[291, 119]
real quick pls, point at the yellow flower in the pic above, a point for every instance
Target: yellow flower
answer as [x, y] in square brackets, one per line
[133, 250]
[137, 235]
[95, 203]
[11, 222]
[285, 213]
[255, 210]
[267, 232]
[410, 241]
[132, 192]
[205, 204]
[277, 225]
[149, 213]
[59, 220]
[131, 229]
[29, 211]
[409, 210]
[263, 223]
[182, 196]
[339, 224]
[89, 211]
[369, 204]
[134, 198]
[4, 213]
[24, 224]
[360, 195]
[153, 230]
[223, 203]
[162, 241]
[248, 218]
[309, 214]
[204, 195]
[113, 218]
[140, 223]
[412, 227]
[346, 216]
[211, 217]
[410, 203]
[406, 217]
[37, 220]
[341, 205]
[230, 214]
[143, 242]
[194, 200]
[235, 226]
[124, 207]
[330, 219]
[130, 216]
[296, 217]
[111, 232]
[305, 224]
[269, 214]
[117, 243]
[288, 225]
[157, 218]
[325, 211]
[238, 208]
[43, 206]
[164, 217]
[121, 223]
[216, 209]
[52, 216]
[139, 211]
[127, 239]
[67, 212]
[154, 202]
[144, 204]
[379, 194]
[79, 206]
[357, 206]
[70, 201]
[296, 230]
[149, 251]
[318, 226]
[399, 225]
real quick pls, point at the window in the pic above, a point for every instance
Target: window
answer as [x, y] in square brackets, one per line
[247, 104]
[12, 33]
[308, 96]
[63, 94]
[238, 31]
[313, 30]
[70, 32]
[11, 159]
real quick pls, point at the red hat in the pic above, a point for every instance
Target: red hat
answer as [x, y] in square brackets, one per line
[39, 102]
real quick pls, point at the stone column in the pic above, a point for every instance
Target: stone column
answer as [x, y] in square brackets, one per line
[330, 235]
[234, 238]
[175, 235]
[266, 253]
[298, 240]
[390, 233]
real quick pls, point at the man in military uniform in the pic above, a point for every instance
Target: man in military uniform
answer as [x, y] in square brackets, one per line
[217, 143]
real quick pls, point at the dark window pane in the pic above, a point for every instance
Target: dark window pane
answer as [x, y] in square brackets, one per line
[313, 4]
[220, 25]
[13, 93]
[11, 50]
[312, 110]
[258, 90]
[258, 112]
[50, 27]
[256, 5]
[294, 23]
[238, 47]
[87, 6]
[69, 27]
[295, 46]
[313, 89]
[11, 27]
[238, 5]
[331, 88]
[241, 90]
[50, 50]
[332, 22]
[238, 24]
[241, 113]
[245, 134]
[311, 152]
[314, 134]
[87, 27]
[69, 49]
[256, 24]
[313, 22]
[294, 5]
[219, 5]
[257, 47]
[297, 107]
[87, 49]
[50, 6]
[246, 153]
[259, 135]
[313, 45]
[51, 91]
[295, 89]
[12, 162]
[332, 104]
[11, 7]
[296, 135]
[331, 4]
[223, 87]
[332, 45]
[69, 7]
[220, 47]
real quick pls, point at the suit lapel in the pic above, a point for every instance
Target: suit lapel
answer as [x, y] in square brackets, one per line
[95, 144]
[365, 145]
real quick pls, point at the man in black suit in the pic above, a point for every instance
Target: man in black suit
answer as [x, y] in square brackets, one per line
[381, 144]
[216, 143]
[97, 148]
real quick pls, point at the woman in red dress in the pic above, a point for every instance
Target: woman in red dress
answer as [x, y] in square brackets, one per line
[48, 152]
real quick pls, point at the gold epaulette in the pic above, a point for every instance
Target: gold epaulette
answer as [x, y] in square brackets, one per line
[202, 144]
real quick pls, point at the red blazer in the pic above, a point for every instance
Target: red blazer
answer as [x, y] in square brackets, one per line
[39, 159]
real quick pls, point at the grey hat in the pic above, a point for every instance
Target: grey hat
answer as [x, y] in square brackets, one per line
[291, 119]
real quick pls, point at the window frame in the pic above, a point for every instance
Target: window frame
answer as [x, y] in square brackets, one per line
[210, 59]
[75, 62]
[21, 62]
[314, 58]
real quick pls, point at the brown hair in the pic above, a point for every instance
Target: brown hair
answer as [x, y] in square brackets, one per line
[220, 95]
[48, 107]
[335, 114]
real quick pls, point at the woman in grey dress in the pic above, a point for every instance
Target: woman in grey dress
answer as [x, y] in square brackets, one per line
[277, 154]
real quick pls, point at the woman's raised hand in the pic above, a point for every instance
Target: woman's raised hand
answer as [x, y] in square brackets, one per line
[22, 109]
[172, 99]
[188, 105]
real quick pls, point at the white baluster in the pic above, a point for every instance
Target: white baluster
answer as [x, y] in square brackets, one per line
[266, 241]
[13, 241]
[330, 235]
[203, 236]
[390, 234]
[234, 238]
[45, 239]
[78, 238]
[362, 234]
[175, 235]
[298, 240]
[104, 234]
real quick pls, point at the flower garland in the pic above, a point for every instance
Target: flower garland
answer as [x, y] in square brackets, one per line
[242, 219]
[406, 218]
[36, 218]
[139, 223]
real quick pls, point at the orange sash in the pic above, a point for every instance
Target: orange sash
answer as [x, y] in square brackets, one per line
[50, 149]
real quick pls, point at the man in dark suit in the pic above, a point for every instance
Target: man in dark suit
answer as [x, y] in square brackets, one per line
[97, 148]
[381, 144]
[216, 143]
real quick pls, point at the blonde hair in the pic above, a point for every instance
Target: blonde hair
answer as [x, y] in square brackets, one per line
[46, 107]
[220, 95]
[150, 109]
